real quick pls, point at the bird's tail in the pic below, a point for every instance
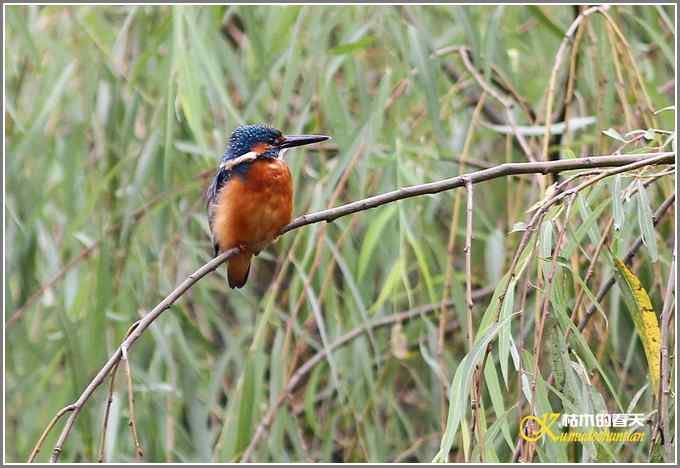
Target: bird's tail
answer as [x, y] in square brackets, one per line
[238, 269]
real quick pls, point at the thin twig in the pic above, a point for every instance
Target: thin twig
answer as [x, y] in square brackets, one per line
[563, 139]
[43, 436]
[619, 82]
[107, 412]
[109, 400]
[520, 349]
[468, 264]
[545, 309]
[632, 62]
[131, 404]
[476, 399]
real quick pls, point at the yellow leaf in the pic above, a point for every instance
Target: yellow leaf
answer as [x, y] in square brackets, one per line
[644, 317]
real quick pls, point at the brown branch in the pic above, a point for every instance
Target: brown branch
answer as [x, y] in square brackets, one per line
[559, 140]
[502, 170]
[633, 64]
[623, 162]
[590, 270]
[472, 96]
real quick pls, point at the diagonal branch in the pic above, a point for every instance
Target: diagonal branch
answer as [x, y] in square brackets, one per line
[547, 167]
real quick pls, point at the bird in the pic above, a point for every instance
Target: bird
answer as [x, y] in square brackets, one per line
[250, 199]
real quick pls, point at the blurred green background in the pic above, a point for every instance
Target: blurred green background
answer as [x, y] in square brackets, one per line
[115, 118]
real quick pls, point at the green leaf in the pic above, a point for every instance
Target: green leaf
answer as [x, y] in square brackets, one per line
[460, 389]
[497, 395]
[646, 221]
[493, 309]
[612, 133]
[392, 281]
[617, 200]
[427, 83]
[494, 256]
[551, 26]
[418, 250]
[372, 237]
[188, 83]
[545, 247]
[505, 332]
[491, 41]
[350, 47]
[587, 214]
[471, 31]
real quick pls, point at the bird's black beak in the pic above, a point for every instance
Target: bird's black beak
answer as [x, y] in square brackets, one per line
[290, 141]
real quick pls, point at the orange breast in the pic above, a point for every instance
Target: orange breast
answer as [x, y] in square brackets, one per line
[252, 209]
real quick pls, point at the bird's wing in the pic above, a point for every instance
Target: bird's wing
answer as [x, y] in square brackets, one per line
[212, 193]
[224, 172]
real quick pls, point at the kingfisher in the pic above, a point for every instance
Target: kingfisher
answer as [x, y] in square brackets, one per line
[251, 196]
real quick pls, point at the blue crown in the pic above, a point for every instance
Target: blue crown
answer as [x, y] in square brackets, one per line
[245, 137]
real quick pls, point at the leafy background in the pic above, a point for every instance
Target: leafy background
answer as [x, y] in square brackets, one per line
[115, 117]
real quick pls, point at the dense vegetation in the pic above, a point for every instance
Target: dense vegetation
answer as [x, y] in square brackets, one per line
[115, 117]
